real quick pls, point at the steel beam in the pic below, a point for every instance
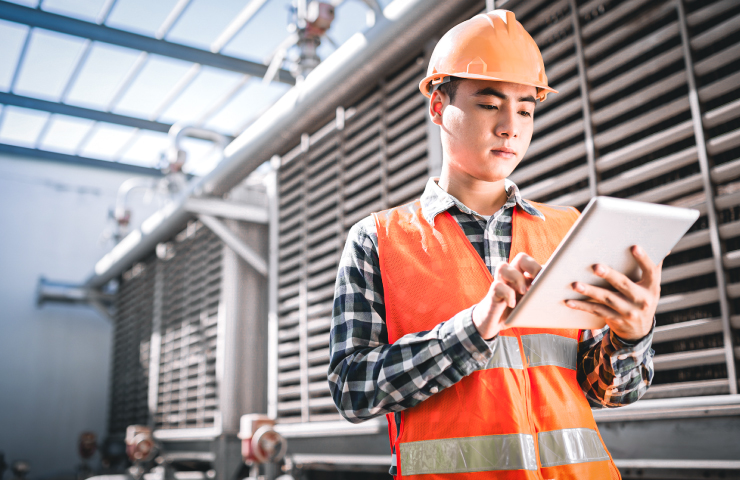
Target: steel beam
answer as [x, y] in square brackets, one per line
[75, 160]
[222, 208]
[71, 26]
[709, 191]
[235, 243]
[81, 112]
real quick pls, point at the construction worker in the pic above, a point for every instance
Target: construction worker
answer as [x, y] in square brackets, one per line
[423, 289]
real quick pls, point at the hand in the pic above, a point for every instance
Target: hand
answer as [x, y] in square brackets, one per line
[630, 310]
[509, 284]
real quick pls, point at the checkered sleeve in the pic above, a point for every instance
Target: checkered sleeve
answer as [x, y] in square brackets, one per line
[611, 371]
[369, 377]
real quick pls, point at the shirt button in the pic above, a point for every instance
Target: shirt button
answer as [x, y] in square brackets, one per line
[433, 390]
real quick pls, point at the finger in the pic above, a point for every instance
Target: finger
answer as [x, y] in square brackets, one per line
[613, 300]
[621, 282]
[510, 275]
[526, 264]
[504, 294]
[650, 271]
[594, 308]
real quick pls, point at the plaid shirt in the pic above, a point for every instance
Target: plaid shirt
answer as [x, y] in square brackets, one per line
[369, 377]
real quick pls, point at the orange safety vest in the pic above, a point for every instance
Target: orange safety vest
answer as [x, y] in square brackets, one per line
[523, 416]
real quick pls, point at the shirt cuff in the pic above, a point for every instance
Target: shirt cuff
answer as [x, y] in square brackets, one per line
[463, 344]
[620, 343]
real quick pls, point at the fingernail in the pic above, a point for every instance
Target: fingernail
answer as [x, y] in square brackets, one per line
[577, 287]
[599, 269]
[636, 249]
[569, 303]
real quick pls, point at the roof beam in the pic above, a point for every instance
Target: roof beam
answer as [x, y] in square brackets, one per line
[81, 112]
[71, 26]
[75, 160]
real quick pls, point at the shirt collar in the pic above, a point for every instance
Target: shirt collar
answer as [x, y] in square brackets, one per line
[435, 200]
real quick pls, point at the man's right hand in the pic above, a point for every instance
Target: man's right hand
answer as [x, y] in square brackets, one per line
[510, 283]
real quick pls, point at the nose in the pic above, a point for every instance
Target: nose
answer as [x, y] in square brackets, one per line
[506, 126]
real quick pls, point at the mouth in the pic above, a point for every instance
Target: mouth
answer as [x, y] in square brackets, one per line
[503, 152]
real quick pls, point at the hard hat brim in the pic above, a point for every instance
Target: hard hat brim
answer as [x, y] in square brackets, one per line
[543, 90]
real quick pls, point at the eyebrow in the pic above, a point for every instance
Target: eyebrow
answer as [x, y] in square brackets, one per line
[488, 91]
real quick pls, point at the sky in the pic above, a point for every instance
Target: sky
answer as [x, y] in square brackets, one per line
[72, 70]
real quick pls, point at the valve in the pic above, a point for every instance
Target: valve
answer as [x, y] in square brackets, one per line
[260, 442]
[140, 445]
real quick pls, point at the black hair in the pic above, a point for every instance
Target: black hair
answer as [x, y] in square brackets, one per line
[450, 88]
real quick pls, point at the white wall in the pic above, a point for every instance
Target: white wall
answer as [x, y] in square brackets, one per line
[54, 361]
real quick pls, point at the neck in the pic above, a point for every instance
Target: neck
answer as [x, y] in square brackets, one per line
[481, 196]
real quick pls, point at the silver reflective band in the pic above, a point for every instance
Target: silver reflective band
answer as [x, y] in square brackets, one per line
[571, 445]
[469, 454]
[546, 349]
[506, 354]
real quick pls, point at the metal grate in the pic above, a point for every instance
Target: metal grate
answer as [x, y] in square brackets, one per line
[638, 115]
[372, 157]
[191, 285]
[622, 125]
[131, 340]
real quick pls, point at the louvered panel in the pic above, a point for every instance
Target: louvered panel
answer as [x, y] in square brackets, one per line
[131, 347]
[187, 395]
[344, 176]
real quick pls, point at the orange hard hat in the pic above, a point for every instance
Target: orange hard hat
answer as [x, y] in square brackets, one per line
[489, 46]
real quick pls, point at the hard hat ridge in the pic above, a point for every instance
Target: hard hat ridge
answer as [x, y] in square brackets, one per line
[489, 46]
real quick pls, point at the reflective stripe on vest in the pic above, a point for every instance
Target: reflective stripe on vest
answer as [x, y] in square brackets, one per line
[471, 454]
[505, 354]
[572, 445]
[546, 349]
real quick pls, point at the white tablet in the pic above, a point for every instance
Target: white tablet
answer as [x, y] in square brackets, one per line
[603, 234]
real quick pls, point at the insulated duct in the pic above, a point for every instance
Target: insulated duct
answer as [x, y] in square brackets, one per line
[340, 79]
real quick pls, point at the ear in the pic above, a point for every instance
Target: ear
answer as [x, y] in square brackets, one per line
[437, 104]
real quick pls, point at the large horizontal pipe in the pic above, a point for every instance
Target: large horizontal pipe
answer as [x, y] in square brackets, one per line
[359, 62]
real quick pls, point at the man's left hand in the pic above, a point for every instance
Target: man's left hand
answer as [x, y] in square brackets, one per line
[630, 310]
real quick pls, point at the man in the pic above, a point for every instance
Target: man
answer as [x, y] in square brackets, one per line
[423, 290]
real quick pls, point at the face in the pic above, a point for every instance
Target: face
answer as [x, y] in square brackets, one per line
[487, 129]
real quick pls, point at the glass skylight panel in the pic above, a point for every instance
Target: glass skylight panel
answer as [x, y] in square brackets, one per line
[87, 10]
[27, 3]
[208, 87]
[21, 126]
[140, 16]
[146, 149]
[12, 37]
[151, 86]
[251, 101]
[202, 156]
[262, 34]
[106, 141]
[49, 61]
[64, 133]
[103, 72]
[203, 21]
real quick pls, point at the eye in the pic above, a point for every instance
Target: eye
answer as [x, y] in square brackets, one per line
[488, 107]
[525, 113]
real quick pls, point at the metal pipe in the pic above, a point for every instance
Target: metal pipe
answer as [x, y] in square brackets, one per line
[271, 184]
[588, 127]
[340, 79]
[701, 146]
[235, 243]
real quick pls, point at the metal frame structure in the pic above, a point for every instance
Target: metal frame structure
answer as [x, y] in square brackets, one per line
[638, 152]
[36, 18]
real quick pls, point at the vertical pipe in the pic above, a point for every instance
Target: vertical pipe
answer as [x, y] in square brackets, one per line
[588, 130]
[341, 123]
[155, 343]
[709, 192]
[490, 5]
[271, 184]
[303, 285]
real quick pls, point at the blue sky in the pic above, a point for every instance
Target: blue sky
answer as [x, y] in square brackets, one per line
[162, 89]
